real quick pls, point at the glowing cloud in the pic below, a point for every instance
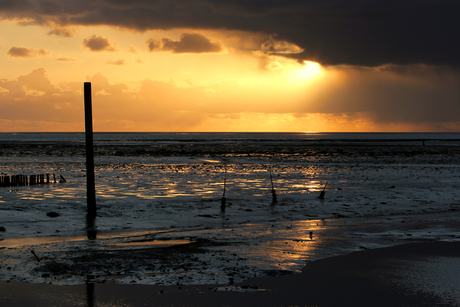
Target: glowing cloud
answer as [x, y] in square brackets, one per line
[394, 99]
[273, 46]
[275, 65]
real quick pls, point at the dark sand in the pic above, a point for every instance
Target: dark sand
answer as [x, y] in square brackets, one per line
[366, 278]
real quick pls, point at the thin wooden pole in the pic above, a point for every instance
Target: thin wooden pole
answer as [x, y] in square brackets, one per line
[321, 195]
[90, 178]
[273, 187]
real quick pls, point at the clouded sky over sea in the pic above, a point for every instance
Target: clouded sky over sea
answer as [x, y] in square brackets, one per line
[231, 65]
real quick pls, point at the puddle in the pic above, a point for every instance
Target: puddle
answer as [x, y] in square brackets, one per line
[31, 241]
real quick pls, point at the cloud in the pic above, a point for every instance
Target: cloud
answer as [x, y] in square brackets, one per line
[63, 32]
[275, 65]
[38, 81]
[332, 32]
[66, 59]
[386, 98]
[23, 52]
[389, 94]
[273, 46]
[99, 43]
[188, 43]
[133, 50]
[117, 62]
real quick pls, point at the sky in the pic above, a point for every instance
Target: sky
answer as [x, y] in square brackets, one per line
[231, 65]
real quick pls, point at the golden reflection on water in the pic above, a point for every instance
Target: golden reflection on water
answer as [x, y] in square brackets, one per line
[252, 184]
[30, 241]
[150, 181]
[288, 244]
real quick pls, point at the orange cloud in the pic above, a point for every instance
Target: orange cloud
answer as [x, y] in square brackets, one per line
[66, 59]
[63, 32]
[23, 52]
[133, 50]
[117, 62]
[346, 99]
[188, 43]
[99, 43]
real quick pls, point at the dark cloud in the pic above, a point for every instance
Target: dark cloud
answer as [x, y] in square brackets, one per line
[391, 94]
[355, 32]
[23, 52]
[52, 8]
[188, 43]
[273, 46]
[99, 43]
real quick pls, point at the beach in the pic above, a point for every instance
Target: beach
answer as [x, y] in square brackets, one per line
[389, 201]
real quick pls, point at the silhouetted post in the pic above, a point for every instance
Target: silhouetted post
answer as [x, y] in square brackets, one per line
[323, 192]
[90, 184]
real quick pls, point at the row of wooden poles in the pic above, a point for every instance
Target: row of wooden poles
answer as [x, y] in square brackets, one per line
[24, 180]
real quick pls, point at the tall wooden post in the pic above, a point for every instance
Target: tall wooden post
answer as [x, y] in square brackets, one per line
[90, 182]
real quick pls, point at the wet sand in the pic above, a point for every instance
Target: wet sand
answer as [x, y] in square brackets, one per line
[378, 195]
[417, 274]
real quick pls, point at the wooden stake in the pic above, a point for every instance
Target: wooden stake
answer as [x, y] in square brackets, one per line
[36, 257]
[321, 195]
[90, 178]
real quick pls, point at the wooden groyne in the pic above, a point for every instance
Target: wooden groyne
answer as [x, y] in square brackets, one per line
[24, 180]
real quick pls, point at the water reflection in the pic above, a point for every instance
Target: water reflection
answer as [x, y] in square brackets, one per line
[91, 230]
[179, 180]
[286, 245]
[90, 297]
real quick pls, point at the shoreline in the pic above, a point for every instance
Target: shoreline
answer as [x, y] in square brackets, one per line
[209, 255]
[390, 276]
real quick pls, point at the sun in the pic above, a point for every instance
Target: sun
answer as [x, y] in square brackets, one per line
[306, 71]
[309, 70]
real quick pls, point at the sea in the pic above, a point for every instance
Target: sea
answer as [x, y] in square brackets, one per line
[146, 138]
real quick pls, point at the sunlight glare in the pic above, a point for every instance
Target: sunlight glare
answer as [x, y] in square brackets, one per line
[309, 70]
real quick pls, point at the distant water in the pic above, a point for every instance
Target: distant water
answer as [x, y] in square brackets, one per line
[146, 138]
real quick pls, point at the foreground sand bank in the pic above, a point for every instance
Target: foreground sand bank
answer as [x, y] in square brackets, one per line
[417, 274]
